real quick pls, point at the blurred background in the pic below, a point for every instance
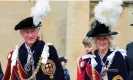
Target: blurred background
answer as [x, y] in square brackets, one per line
[65, 26]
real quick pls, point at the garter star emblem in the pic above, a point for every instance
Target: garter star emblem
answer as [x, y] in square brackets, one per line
[49, 68]
[117, 77]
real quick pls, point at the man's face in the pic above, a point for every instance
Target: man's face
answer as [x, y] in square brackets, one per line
[29, 35]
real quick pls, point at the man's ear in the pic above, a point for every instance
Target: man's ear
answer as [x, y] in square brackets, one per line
[38, 28]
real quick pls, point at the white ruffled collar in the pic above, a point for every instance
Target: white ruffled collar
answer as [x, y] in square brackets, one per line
[44, 55]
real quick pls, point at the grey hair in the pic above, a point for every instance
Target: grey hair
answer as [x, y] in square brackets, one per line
[111, 43]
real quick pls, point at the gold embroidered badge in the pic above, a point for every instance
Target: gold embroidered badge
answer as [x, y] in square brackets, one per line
[118, 77]
[49, 68]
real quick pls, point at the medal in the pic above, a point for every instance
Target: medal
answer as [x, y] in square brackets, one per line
[49, 68]
[118, 77]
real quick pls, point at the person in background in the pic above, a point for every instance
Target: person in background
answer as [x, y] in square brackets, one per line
[85, 60]
[1, 72]
[129, 49]
[66, 72]
[88, 45]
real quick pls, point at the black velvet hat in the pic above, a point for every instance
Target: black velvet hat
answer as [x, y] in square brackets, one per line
[100, 30]
[27, 22]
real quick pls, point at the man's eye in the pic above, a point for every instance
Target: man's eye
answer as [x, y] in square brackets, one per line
[105, 37]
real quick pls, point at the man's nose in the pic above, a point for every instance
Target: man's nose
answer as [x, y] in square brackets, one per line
[30, 34]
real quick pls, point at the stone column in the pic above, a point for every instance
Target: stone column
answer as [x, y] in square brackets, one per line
[125, 31]
[77, 27]
[54, 26]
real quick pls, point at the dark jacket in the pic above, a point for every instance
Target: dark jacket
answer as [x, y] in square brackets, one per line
[117, 68]
[1, 72]
[66, 73]
[129, 49]
[37, 48]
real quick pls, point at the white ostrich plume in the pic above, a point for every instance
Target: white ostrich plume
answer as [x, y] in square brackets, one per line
[108, 11]
[40, 10]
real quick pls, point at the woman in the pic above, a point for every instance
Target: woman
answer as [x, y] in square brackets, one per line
[111, 64]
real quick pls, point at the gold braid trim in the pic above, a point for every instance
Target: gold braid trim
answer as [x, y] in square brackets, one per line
[93, 72]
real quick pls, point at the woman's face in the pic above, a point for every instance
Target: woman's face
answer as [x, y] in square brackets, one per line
[102, 42]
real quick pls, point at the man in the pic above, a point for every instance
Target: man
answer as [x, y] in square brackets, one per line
[129, 49]
[34, 59]
[66, 72]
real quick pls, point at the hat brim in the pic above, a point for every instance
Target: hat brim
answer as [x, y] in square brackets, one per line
[108, 34]
[26, 23]
[93, 34]
[131, 24]
[19, 28]
[64, 61]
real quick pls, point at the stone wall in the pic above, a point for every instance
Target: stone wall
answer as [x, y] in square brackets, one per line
[65, 26]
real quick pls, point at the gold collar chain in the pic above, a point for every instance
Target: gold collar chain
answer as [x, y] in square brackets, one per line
[93, 72]
[107, 68]
[34, 73]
